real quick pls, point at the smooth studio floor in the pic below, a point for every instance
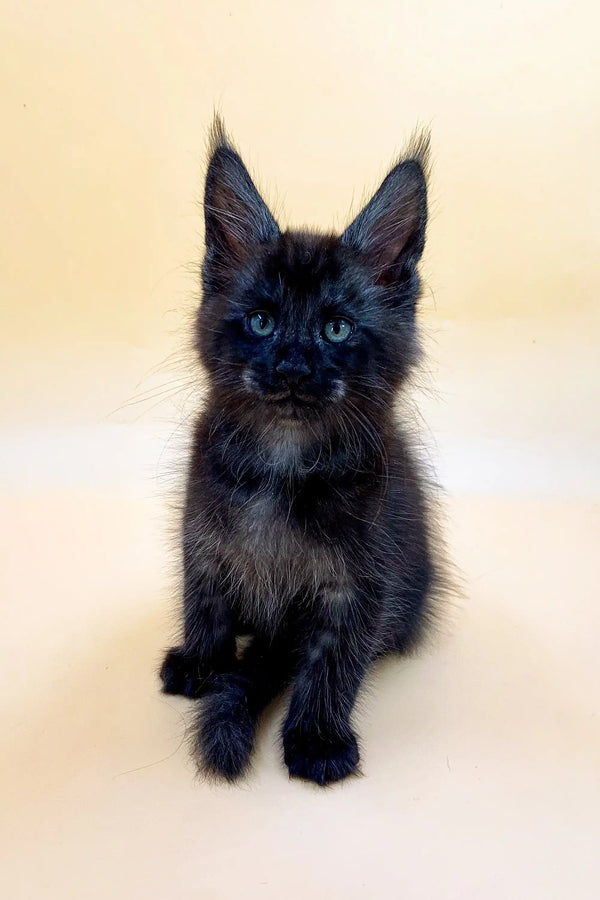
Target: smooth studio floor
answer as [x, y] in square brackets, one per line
[481, 757]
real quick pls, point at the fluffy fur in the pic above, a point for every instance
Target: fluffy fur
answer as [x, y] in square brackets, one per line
[305, 521]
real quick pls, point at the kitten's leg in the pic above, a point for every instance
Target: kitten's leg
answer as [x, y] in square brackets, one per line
[209, 637]
[318, 741]
[231, 709]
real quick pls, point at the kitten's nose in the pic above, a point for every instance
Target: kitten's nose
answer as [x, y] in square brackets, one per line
[294, 367]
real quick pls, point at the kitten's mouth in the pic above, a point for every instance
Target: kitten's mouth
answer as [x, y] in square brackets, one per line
[289, 399]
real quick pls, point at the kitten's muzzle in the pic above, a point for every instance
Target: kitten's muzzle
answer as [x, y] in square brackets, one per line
[294, 372]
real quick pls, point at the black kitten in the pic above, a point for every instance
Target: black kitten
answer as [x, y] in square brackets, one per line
[305, 518]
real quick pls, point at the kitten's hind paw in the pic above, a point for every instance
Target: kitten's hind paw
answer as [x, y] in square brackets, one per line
[320, 757]
[180, 674]
[226, 732]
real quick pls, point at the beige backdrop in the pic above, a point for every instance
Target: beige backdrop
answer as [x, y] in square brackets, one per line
[482, 757]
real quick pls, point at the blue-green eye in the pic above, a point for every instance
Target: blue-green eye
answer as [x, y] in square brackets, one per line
[337, 330]
[261, 323]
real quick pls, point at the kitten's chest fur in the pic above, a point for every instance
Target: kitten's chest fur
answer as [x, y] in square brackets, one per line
[270, 544]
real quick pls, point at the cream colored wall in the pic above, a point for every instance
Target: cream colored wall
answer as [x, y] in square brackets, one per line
[105, 108]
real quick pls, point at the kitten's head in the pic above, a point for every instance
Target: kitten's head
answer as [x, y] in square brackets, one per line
[295, 326]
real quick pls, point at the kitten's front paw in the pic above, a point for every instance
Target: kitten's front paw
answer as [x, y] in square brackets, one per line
[180, 674]
[226, 732]
[322, 757]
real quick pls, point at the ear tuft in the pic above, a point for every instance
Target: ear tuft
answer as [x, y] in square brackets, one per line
[390, 231]
[418, 149]
[236, 217]
[218, 138]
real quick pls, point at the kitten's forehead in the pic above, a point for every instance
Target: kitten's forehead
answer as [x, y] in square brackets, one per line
[305, 258]
[310, 268]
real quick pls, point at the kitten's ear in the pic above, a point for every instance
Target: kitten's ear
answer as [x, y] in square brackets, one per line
[390, 231]
[235, 215]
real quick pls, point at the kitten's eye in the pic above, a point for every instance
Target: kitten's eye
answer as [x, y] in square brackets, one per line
[337, 330]
[261, 323]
